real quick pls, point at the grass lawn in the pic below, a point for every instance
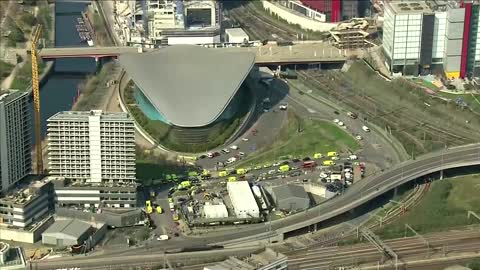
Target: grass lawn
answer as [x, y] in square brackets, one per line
[148, 170]
[472, 100]
[314, 137]
[444, 206]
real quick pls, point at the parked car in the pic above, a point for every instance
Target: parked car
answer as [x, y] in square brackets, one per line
[234, 147]
[353, 157]
[366, 129]
[358, 138]
[336, 120]
[283, 107]
[352, 115]
[245, 139]
[226, 151]
[241, 154]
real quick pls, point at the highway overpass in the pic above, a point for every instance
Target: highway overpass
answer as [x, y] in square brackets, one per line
[268, 54]
[358, 194]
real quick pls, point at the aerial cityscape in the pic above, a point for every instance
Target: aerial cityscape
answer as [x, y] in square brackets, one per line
[240, 134]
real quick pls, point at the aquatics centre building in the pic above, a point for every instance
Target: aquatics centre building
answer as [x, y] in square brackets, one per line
[196, 92]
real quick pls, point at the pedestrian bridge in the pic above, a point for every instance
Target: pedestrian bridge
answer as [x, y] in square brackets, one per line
[268, 54]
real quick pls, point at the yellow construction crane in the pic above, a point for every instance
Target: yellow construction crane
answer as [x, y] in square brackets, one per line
[36, 99]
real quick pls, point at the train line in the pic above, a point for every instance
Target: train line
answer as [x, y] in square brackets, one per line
[464, 133]
[399, 120]
[258, 25]
[440, 244]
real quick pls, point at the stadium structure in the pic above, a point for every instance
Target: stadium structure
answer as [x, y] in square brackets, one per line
[196, 92]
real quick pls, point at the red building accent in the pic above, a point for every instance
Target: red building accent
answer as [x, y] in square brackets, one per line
[334, 7]
[466, 36]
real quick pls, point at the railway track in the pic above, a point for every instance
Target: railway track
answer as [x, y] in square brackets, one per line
[258, 25]
[440, 244]
[399, 119]
[332, 240]
[460, 132]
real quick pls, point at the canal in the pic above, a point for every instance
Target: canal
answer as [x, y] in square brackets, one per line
[58, 91]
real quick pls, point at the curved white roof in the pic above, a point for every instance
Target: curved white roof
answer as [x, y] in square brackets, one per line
[190, 85]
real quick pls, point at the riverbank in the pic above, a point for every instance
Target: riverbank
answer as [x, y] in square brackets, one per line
[21, 21]
[96, 90]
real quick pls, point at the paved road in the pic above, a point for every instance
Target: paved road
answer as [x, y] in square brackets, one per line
[378, 150]
[267, 54]
[268, 124]
[356, 195]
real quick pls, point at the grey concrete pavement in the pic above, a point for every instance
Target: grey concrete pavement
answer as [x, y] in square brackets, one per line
[353, 197]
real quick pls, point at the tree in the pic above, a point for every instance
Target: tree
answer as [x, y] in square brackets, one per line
[28, 19]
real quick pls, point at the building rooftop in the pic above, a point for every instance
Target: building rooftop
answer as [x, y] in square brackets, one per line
[236, 32]
[256, 261]
[409, 7]
[24, 194]
[189, 85]
[83, 115]
[289, 191]
[61, 182]
[11, 94]
[72, 228]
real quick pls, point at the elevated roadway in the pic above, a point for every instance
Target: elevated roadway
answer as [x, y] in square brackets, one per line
[268, 54]
[358, 194]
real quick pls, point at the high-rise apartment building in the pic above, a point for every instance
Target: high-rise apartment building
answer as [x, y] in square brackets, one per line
[420, 34]
[94, 152]
[15, 145]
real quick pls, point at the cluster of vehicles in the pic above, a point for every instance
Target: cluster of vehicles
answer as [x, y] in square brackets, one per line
[353, 116]
[287, 167]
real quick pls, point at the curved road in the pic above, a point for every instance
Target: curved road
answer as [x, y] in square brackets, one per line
[357, 194]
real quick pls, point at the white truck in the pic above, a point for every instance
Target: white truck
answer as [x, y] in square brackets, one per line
[162, 237]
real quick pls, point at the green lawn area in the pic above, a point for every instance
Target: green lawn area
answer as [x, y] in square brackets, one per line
[23, 77]
[304, 137]
[147, 170]
[443, 207]
[472, 100]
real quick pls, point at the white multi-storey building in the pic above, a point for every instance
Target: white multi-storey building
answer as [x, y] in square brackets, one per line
[412, 35]
[168, 22]
[419, 34]
[15, 147]
[94, 152]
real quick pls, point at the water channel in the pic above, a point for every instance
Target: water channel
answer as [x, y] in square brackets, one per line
[59, 89]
